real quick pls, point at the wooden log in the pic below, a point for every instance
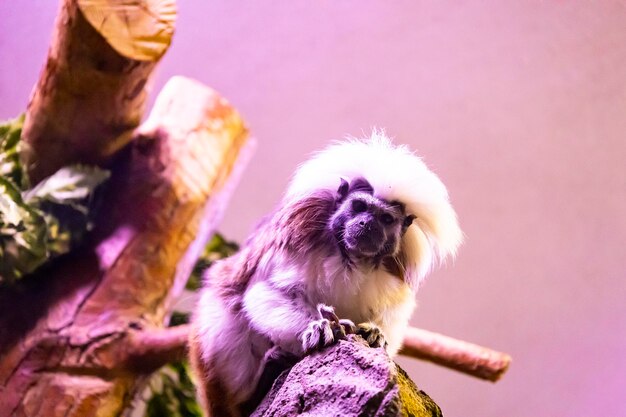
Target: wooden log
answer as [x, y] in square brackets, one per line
[78, 340]
[92, 90]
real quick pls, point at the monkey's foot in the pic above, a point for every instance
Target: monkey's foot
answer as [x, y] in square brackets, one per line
[372, 334]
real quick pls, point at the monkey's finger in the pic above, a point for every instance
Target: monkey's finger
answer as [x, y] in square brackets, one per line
[339, 332]
[372, 334]
[309, 342]
[327, 336]
[327, 312]
[319, 333]
[348, 326]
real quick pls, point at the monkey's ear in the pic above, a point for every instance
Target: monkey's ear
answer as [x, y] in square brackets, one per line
[343, 189]
[408, 220]
[362, 185]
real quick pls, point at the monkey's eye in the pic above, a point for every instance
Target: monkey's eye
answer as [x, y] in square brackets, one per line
[387, 218]
[359, 206]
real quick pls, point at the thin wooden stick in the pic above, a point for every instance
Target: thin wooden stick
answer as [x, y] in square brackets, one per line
[168, 345]
[465, 357]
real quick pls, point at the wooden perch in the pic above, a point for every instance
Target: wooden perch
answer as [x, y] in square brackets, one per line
[92, 91]
[147, 351]
[456, 354]
[72, 341]
[170, 344]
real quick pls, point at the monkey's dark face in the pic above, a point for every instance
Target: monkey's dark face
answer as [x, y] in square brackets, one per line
[366, 226]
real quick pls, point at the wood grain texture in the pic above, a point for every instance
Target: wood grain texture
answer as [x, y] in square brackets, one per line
[80, 339]
[137, 29]
[91, 93]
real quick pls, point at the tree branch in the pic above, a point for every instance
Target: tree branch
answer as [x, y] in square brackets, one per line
[157, 348]
[465, 357]
[148, 350]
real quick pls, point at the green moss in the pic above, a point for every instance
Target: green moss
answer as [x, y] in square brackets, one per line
[415, 403]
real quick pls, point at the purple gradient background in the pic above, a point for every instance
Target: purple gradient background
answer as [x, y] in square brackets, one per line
[520, 107]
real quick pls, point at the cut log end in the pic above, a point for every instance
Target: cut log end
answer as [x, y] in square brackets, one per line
[139, 29]
[92, 92]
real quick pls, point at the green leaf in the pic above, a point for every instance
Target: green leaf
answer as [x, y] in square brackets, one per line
[23, 232]
[178, 318]
[69, 185]
[173, 393]
[217, 248]
[39, 224]
[10, 167]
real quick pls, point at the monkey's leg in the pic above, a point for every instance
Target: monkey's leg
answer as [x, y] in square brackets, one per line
[230, 356]
[274, 363]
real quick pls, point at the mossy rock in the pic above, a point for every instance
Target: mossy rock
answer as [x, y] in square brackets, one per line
[347, 379]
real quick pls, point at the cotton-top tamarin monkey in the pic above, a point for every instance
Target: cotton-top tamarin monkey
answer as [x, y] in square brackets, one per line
[359, 227]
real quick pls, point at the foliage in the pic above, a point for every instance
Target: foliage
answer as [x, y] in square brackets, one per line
[217, 248]
[43, 222]
[10, 167]
[171, 390]
[173, 393]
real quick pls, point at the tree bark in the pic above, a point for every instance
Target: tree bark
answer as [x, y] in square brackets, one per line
[459, 355]
[92, 90]
[77, 339]
[468, 358]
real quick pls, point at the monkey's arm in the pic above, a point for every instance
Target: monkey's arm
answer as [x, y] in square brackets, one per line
[288, 318]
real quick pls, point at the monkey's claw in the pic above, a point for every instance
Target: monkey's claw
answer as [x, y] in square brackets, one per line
[318, 334]
[372, 334]
[348, 326]
[341, 327]
[327, 312]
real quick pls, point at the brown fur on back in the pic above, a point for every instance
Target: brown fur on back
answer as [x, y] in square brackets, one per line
[295, 228]
[208, 387]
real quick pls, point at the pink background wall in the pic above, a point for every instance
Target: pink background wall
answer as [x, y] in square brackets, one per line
[519, 106]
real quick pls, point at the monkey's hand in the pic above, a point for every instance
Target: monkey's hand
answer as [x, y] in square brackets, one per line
[372, 334]
[341, 327]
[326, 330]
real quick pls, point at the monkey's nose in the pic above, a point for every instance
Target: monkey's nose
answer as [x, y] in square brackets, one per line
[366, 225]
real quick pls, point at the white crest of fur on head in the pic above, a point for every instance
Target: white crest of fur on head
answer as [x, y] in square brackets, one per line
[395, 173]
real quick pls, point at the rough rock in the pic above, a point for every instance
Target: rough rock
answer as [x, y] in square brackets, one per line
[347, 379]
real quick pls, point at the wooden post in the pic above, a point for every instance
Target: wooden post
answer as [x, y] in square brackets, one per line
[77, 340]
[92, 91]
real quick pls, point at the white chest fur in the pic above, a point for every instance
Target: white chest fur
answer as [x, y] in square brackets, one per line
[358, 294]
[365, 295]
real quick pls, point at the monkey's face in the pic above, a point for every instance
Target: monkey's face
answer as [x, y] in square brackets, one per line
[366, 226]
